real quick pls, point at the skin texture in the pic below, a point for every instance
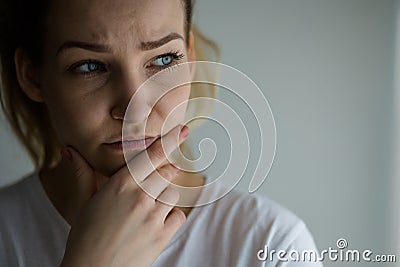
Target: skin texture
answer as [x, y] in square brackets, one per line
[96, 105]
[91, 187]
[120, 225]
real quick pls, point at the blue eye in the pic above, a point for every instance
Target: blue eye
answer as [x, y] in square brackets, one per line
[89, 67]
[164, 60]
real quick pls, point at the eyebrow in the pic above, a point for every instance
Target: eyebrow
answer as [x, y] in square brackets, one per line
[158, 43]
[105, 48]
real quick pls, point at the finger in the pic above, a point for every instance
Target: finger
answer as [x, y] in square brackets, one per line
[166, 202]
[157, 181]
[175, 219]
[83, 174]
[147, 161]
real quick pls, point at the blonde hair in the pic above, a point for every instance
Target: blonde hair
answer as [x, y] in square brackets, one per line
[30, 120]
[206, 50]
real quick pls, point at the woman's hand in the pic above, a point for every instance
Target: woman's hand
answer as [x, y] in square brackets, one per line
[120, 225]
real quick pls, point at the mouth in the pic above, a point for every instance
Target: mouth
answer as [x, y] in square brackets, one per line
[132, 145]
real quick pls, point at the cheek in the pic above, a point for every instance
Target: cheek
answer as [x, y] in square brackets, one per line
[75, 118]
[173, 105]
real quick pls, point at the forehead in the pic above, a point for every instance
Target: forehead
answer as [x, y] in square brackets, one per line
[107, 20]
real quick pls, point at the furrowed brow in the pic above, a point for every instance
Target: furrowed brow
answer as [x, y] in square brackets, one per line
[158, 43]
[84, 45]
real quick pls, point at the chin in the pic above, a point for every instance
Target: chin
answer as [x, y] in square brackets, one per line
[109, 166]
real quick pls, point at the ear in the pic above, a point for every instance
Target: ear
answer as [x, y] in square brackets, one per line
[192, 54]
[27, 76]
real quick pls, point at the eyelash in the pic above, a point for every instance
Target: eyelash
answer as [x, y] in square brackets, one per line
[74, 68]
[176, 58]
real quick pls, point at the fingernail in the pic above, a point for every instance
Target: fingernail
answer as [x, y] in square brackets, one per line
[184, 131]
[66, 154]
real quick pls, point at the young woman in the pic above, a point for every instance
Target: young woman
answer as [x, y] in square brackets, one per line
[69, 69]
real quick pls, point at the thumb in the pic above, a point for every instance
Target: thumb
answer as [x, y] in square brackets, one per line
[84, 177]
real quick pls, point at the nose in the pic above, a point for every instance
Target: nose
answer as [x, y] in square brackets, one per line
[131, 104]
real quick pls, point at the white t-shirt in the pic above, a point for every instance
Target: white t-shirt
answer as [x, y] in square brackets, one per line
[229, 232]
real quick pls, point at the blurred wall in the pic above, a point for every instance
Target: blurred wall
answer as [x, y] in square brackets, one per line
[396, 158]
[326, 67]
[14, 162]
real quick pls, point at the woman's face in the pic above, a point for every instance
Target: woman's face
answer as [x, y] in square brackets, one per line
[97, 54]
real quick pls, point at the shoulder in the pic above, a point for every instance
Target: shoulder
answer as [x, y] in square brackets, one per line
[239, 225]
[16, 190]
[258, 212]
[14, 198]
[257, 221]
[12, 215]
[28, 227]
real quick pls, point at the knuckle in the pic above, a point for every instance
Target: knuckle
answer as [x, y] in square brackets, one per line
[166, 173]
[121, 185]
[144, 200]
[154, 219]
[140, 207]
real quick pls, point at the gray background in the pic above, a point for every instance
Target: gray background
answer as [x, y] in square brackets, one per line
[328, 70]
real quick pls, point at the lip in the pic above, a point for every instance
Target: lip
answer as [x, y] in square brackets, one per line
[132, 145]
